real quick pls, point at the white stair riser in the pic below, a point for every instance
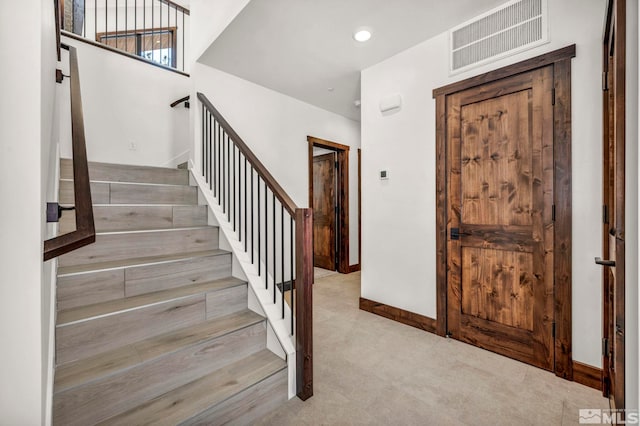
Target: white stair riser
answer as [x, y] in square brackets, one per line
[121, 246]
[124, 193]
[102, 286]
[124, 218]
[126, 173]
[97, 401]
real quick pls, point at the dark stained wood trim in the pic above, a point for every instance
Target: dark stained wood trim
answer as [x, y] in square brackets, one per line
[57, 5]
[121, 52]
[304, 302]
[562, 201]
[561, 61]
[323, 143]
[354, 268]
[342, 230]
[177, 6]
[400, 315]
[271, 182]
[85, 232]
[587, 375]
[441, 216]
[508, 71]
[179, 101]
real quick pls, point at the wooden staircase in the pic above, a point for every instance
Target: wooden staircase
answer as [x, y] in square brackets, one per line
[152, 328]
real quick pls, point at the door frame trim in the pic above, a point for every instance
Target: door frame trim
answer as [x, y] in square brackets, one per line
[561, 61]
[342, 228]
[616, 17]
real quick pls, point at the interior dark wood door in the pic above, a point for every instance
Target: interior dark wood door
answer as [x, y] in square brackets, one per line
[500, 210]
[324, 211]
[613, 188]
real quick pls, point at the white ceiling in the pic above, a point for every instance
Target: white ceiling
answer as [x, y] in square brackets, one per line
[303, 47]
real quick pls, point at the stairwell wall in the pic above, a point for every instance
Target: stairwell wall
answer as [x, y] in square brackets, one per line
[126, 102]
[275, 127]
[27, 133]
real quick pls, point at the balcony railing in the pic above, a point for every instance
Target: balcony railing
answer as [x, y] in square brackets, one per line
[153, 30]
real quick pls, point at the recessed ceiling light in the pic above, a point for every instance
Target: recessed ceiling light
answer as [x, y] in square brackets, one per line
[362, 35]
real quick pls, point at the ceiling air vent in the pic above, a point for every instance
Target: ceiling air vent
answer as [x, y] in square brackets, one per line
[516, 26]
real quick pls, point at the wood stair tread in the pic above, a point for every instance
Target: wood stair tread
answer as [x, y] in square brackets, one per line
[83, 313]
[189, 400]
[99, 366]
[132, 262]
[119, 172]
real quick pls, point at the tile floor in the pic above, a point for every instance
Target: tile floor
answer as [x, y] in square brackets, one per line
[373, 371]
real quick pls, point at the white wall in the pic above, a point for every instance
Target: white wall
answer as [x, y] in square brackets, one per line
[28, 89]
[631, 211]
[400, 263]
[127, 101]
[276, 127]
[210, 18]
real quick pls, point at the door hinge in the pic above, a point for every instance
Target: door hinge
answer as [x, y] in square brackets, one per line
[553, 213]
[553, 329]
[605, 214]
[605, 80]
[59, 76]
[605, 346]
[335, 163]
[553, 96]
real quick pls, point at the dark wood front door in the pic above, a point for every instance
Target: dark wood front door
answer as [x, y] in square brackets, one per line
[324, 211]
[500, 206]
[613, 188]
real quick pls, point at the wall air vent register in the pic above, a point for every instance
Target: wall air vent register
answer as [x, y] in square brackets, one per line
[516, 26]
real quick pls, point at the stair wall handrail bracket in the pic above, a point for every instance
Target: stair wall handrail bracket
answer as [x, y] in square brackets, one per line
[85, 232]
[181, 100]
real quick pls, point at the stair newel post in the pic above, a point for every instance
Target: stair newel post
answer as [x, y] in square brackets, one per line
[303, 302]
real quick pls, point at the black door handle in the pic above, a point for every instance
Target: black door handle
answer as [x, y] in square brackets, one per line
[599, 261]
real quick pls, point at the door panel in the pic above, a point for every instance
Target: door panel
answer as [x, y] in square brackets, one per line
[613, 190]
[500, 142]
[324, 216]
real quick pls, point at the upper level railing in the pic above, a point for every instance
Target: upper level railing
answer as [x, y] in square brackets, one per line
[156, 31]
[276, 235]
[85, 232]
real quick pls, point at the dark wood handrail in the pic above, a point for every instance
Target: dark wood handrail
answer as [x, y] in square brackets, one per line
[179, 101]
[85, 232]
[275, 187]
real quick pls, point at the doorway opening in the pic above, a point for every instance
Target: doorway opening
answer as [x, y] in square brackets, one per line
[329, 198]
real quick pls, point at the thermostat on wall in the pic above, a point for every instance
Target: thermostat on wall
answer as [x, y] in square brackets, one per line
[384, 174]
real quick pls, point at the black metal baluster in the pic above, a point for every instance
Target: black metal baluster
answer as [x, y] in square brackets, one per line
[215, 155]
[203, 139]
[266, 237]
[282, 255]
[245, 205]
[160, 33]
[135, 22]
[84, 18]
[116, 24]
[210, 146]
[259, 224]
[252, 234]
[126, 25]
[106, 21]
[182, 39]
[291, 265]
[144, 29]
[175, 42]
[239, 197]
[153, 33]
[95, 19]
[233, 185]
[228, 185]
[224, 181]
[275, 274]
